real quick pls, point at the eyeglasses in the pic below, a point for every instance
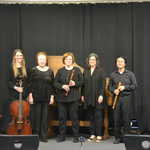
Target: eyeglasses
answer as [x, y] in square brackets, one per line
[93, 59]
[68, 59]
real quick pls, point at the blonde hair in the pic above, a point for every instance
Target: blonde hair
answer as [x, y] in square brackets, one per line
[14, 66]
[42, 53]
[66, 55]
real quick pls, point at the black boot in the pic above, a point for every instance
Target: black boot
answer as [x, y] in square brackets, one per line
[117, 141]
[60, 138]
[75, 139]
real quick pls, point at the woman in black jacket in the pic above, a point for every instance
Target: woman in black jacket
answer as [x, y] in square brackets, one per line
[17, 74]
[68, 81]
[17, 79]
[92, 96]
[41, 95]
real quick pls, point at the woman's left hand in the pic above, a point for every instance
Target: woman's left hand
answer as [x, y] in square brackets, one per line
[30, 99]
[100, 99]
[51, 100]
[72, 83]
[121, 88]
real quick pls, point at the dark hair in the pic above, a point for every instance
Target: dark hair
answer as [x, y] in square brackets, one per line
[123, 57]
[98, 64]
[66, 55]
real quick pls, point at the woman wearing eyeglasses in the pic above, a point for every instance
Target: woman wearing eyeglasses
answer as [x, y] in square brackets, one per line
[92, 96]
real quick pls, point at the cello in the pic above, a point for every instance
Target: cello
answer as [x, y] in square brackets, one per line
[19, 110]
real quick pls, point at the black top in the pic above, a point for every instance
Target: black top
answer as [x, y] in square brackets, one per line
[41, 85]
[62, 78]
[127, 78]
[93, 87]
[14, 81]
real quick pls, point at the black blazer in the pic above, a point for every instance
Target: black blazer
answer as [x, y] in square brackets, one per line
[41, 85]
[93, 87]
[62, 78]
[14, 81]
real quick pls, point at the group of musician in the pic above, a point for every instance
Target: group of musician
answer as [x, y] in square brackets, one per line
[70, 86]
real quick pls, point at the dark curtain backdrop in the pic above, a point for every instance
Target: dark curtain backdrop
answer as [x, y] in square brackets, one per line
[107, 29]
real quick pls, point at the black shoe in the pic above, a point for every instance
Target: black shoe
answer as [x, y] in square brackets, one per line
[75, 140]
[117, 141]
[60, 139]
[44, 140]
[121, 140]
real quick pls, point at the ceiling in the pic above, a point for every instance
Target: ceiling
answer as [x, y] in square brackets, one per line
[67, 1]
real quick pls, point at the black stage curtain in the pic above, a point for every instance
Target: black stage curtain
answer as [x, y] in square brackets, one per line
[110, 30]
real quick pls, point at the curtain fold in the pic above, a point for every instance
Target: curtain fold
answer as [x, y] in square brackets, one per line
[110, 30]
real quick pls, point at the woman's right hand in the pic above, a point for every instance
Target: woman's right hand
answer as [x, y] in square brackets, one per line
[82, 99]
[116, 92]
[66, 88]
[19, 89]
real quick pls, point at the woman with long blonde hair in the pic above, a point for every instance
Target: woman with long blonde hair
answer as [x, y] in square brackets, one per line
[18, 74]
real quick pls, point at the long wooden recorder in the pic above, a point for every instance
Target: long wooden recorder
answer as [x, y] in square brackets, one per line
[116, 97]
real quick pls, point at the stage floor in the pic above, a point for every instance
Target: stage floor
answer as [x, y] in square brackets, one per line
[69, 145]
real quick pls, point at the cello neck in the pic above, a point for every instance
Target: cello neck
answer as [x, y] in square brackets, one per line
[20, 106]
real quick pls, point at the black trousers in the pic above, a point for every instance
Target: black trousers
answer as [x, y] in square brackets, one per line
[96, 118]
[63, 109]
[121, 116]
[39, 119]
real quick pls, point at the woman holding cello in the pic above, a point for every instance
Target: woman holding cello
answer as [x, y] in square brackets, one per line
[18, 85]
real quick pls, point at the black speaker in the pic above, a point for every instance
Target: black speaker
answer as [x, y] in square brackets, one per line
[137, 142]
[19, 142]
